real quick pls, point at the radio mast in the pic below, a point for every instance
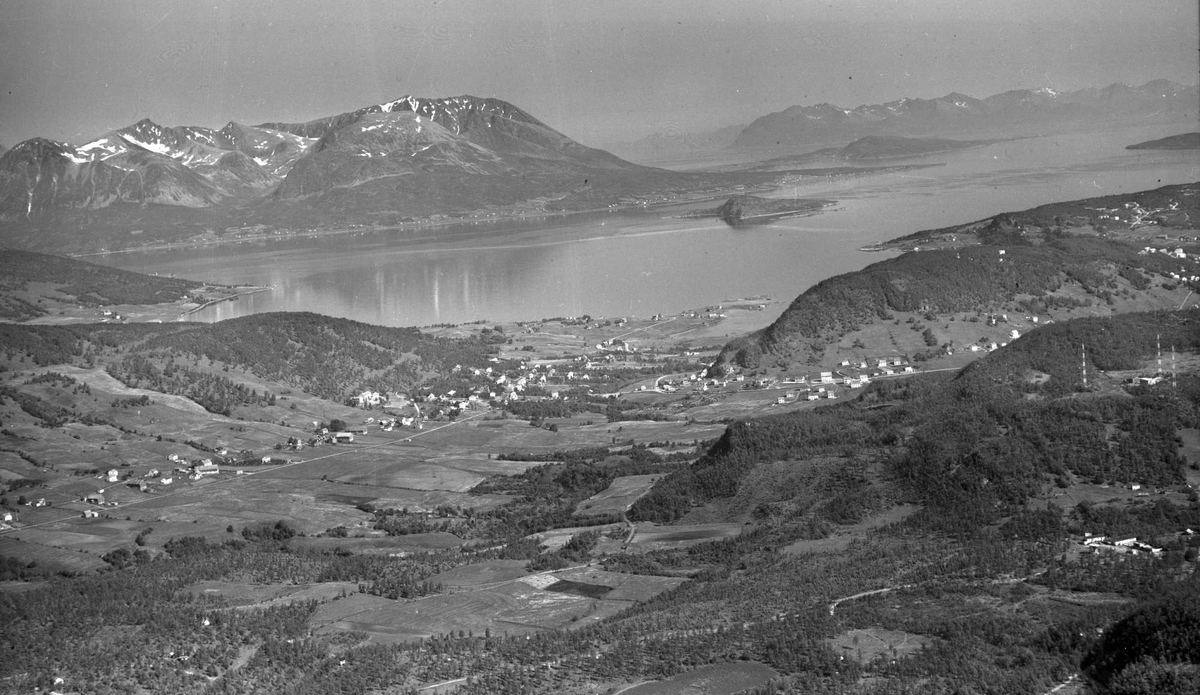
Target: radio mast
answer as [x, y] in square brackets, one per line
[1083, 354]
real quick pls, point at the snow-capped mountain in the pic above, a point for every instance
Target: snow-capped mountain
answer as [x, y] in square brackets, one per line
[365, 150]
[1015, 112]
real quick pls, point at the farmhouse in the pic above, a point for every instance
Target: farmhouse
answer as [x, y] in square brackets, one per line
[367, 399]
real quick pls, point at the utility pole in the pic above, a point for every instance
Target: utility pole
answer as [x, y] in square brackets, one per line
[1083, 353]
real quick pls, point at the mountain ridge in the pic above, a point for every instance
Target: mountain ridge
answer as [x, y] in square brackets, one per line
[797, 125]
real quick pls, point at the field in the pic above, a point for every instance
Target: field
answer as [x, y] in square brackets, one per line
[866, 645]
[482, 573]
[386, 545]
[46, 556]
[243, 595]
[719, 679]
[651, 537]
[625, 587]
[557, 538]
[500, 596]
[623, 492]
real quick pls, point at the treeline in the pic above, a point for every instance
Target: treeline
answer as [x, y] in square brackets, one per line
[218, 394]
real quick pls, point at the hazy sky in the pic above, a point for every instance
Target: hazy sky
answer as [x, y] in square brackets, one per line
[599, 71]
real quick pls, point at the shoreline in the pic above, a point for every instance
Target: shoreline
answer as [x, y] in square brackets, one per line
[315, 234]
[251, 289]
[428, 223]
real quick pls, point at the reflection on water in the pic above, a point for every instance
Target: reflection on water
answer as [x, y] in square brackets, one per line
[642, 263]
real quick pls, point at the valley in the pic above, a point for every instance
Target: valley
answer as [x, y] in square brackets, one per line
[597, 501]
[903, 413]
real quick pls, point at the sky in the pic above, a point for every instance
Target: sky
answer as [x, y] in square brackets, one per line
[601, 72]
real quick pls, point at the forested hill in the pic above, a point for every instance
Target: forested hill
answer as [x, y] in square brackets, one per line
[973, 449]
[1035, 261]
[325, 356]
[79, 282]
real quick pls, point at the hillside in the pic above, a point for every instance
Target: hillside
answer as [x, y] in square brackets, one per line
[1016, 112]
[32, 284]
[1010, 418]
[330, 358]
[1084, 256]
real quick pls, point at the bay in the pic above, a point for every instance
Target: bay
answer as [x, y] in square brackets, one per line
[639, 263]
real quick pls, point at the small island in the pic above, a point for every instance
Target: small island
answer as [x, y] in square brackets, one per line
[1183, 141]
[751, 209]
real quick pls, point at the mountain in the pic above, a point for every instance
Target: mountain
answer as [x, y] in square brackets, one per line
[1016, 112]
[408, 158]
[392, 151]
[144, 164]
[1184, 141]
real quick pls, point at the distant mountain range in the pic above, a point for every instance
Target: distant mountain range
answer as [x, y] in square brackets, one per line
[1014, 112]
[412, 156]
[421, 158]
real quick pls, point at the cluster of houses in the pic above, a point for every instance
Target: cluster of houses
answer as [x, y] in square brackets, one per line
[1130, 546]
[1135, 215]
[490, 384]
[1173, 253]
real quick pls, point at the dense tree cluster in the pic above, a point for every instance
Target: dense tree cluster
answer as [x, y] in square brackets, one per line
[1155, 649]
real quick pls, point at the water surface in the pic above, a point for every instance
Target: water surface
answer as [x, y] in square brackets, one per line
[642, 263]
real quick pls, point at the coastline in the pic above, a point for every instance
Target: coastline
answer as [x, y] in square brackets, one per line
[250, 289]
[423, 224]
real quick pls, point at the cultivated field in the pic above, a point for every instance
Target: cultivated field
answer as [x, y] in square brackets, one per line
[623, 492]
[718, 679]
[651, 537]
[49, 557]
[500, 596]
